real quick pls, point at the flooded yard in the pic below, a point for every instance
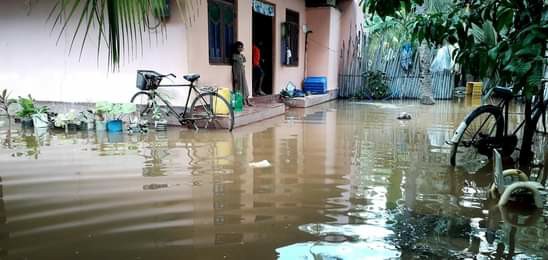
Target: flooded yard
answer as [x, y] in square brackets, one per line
[347, 181]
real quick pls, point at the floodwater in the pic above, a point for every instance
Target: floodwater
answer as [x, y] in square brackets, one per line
[347, 181]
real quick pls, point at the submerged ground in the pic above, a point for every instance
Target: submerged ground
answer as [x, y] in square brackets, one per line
[347, 181]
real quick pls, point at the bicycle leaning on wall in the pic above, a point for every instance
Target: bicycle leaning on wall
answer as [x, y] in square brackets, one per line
[207, 110]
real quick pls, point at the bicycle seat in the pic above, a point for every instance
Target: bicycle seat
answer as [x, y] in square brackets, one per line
[505, 93]
[191, 77]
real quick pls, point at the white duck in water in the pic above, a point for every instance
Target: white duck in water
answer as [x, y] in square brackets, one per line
[514, 185]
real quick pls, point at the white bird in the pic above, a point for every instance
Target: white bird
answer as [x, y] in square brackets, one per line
[513, 184]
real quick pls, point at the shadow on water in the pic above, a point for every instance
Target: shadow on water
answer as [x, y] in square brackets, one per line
[347, 181]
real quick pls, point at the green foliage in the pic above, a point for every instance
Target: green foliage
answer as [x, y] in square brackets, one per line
[27, 107]
[377, 84]
[500, 40]
[114, 111]
[388, 7]
[120, 24]
[5, 102]
[393, 30]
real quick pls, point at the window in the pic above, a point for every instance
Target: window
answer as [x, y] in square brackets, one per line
[221, 30]
[290, 39]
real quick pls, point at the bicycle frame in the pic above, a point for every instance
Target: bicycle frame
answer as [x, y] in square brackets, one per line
[181, 117]
[538, 106]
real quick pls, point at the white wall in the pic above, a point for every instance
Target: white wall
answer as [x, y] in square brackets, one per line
[32, 62]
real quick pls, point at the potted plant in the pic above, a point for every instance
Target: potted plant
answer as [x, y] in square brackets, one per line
[68, 121]
[40, 117]
[160, 123]
[32, 115]
[87, 119]
[5, 102]
[101, 110]
[26, 109]
[115, 113]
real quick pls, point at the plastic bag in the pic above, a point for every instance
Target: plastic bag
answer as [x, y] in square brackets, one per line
[442, 61]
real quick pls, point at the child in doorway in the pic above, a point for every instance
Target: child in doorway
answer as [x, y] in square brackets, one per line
[239, 82]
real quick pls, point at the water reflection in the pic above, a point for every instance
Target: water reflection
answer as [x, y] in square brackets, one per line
[348, 181]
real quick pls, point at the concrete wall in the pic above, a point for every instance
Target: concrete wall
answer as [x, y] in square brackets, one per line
[32, 62]
[324, 43]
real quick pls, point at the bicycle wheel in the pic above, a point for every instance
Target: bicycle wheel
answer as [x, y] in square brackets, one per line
[144, 103]
[484, 123]
[210, 110]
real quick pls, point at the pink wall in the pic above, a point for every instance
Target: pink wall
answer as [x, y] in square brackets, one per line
[324, 49]
[351, 19]
[32, 62]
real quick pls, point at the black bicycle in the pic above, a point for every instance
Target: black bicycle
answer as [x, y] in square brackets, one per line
[207, 110]
[486, 128]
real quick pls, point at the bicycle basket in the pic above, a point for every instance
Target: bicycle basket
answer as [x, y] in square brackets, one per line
[147, 80]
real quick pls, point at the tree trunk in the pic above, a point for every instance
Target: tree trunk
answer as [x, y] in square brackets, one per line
[425, 75]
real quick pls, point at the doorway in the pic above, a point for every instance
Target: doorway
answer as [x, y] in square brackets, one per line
[263, 29]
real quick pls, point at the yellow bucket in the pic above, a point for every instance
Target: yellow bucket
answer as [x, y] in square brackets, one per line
[219, 107]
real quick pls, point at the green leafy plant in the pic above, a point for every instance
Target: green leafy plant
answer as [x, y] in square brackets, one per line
[110, 111]
[63, 119]
[6, 102]
[377, 84]
[27, 107]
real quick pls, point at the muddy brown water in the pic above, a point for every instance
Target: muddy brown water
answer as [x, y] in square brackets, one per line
[347, 181]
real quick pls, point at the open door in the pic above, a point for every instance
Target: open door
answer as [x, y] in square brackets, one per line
[263, 35]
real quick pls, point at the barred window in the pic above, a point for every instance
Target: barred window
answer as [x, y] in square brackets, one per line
[290, 39]
[221, 30]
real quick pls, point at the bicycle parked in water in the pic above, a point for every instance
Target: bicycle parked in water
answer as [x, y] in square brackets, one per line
[207, 110]
[486, 128]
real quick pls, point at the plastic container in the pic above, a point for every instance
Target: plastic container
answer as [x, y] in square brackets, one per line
[115, 126]
[237, 101]
[219, 107]
[315, 85]
[40, 120]
[474, 88]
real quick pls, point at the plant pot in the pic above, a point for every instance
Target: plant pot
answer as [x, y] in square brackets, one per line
[100, 126]
[87, 125]
[27, 122]
[40, 120]
[72, 127]
[115, 126]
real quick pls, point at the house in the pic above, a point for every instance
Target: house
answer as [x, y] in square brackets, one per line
[36, 60]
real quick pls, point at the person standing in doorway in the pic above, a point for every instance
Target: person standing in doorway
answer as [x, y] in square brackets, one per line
[239, 82]
[258, 72]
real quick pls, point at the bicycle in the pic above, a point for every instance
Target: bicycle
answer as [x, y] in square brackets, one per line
[486, 128]
[208, 109]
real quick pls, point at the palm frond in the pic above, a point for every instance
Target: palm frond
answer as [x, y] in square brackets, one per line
[120, 24]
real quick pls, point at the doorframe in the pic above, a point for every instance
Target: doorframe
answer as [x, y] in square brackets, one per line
[274, 45]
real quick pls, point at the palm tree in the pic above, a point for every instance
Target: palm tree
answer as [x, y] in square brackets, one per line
[120, 24]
